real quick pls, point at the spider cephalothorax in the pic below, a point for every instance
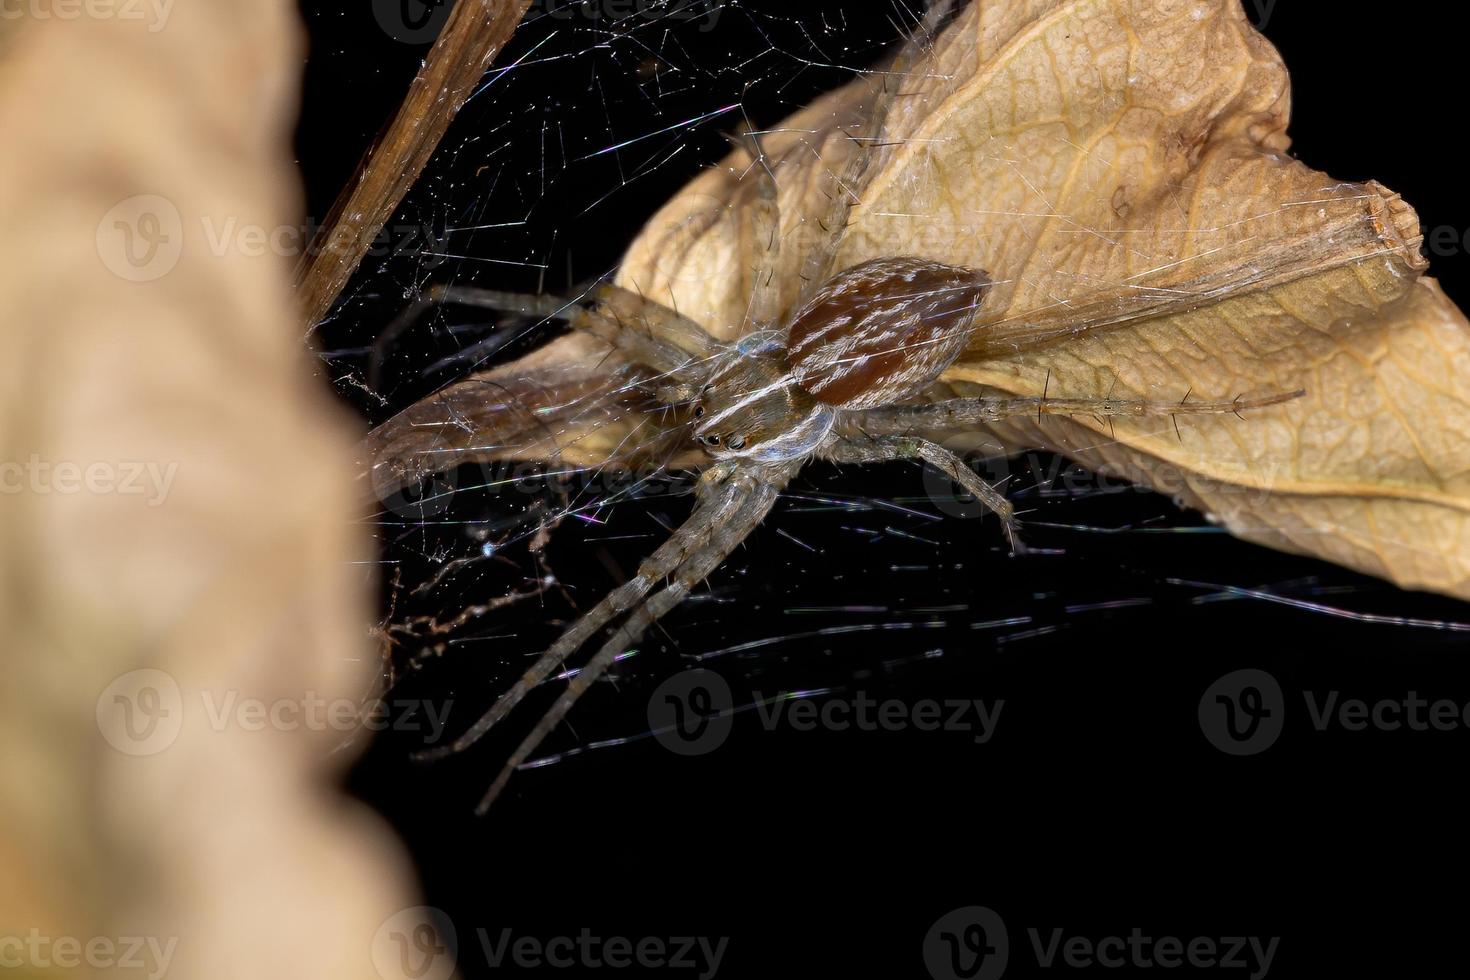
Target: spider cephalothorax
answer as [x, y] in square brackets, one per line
[847, 374]
[873, 335]
[752, 408]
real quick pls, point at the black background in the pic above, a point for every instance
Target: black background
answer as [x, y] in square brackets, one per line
[1099, 806]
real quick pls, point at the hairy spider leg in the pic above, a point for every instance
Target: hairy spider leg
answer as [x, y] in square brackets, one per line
[959, 413]
[441, 294]
[888, 448]
[669, 344]
[633, 309]
[820, 263]
[761, 238]
[719, 497]
[755, 504]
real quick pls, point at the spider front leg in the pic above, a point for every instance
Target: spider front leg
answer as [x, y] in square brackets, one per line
[861, 449]
[760, 234]
[645, 332]
[847, 184]
[761, 494]
[633, 310]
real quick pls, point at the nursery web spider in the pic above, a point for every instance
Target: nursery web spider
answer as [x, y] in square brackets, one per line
[838, 377]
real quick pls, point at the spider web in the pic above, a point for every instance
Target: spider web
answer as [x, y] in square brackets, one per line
[870, 578]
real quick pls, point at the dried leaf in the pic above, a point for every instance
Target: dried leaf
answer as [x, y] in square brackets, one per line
[1119, 169]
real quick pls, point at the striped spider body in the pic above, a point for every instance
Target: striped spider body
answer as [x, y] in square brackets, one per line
[877, 334]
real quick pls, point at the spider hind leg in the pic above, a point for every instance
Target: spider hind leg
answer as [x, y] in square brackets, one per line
[731, 504]
[755, 503]
[719, 497]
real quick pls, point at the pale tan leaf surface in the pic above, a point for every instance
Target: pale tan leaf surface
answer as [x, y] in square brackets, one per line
[1370, 470]
[234, 569]
[1120, 170]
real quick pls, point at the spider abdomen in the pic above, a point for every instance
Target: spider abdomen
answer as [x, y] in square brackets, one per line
[883, 330]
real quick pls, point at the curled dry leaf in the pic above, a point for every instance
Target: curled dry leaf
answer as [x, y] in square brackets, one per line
[1148, 237]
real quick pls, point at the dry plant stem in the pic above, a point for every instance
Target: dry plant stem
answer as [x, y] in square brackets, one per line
[474, 35]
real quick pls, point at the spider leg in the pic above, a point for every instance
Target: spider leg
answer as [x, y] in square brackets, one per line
[720, 496]
[819, 264]
[761, 232]
[887, 448]
[652, 347]
[959, 413]
[436, 295]
[756, 504]
[664, 323]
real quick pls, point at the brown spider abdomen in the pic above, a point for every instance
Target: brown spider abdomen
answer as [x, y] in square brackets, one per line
[883, 331]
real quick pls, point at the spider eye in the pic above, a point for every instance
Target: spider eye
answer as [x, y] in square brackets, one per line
[711, 440]
[737, 443]
[699, 411]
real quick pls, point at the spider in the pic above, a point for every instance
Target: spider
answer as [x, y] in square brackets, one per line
[841, 376]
